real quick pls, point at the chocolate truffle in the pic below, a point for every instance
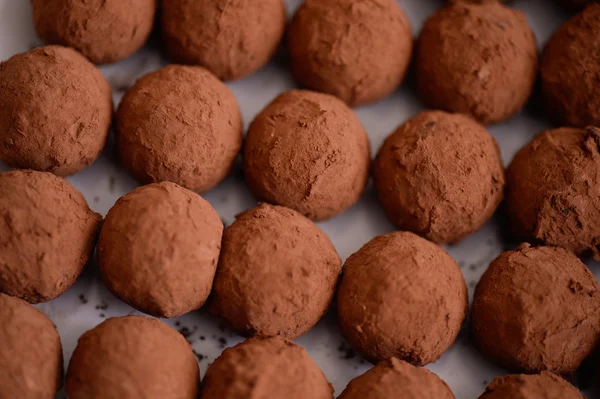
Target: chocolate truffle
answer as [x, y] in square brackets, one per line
[439, 175]
[570, 70]
[179, 124]
[536, 309]
[47, 234]
[31, 360]
[545, 385]
[55, 110]
[477, 59]
[158, 249]
[133, 357]
[103, 31]
[241, 372]
[401, 280]
[357, 50]
[392, 376]
[553, 190]
[277, 273]
[232, 39]
[309, 152]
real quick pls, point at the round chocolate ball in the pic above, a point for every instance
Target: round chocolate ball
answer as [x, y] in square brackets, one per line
[55, 110]
[277, 273]
[179, 124]
[307, 151]
[133, 357]
[368, 64]
[31, 359]
[240, 372]
[158, 249]
[401, 296]
[570, 70]
[552, 191]
[231, 39]
[477, 59]
[439, 175]
[536, 309]
[47, 234]
[392, 376]
[103, 31]
[545, 385]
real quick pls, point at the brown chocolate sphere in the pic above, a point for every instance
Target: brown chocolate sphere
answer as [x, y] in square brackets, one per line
[31, 359]
[477, 59]
[158, 249]
[55, 110]
[102, 30]
[552, 191]
[240, 372]
[277, 273]
[545, 385]
[307, 151]
[570, 70]
[47, 234]
[232, 39]
[133, 357]
[357, 50]
[392, 376]
[179, 124]
[536, 309]
[439, 175]
[401, 296]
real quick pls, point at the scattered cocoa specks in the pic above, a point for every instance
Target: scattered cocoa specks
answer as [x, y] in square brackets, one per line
[102, 315]
[83, 299]
[102, 306]
[202, 338]
[222, 342]
[472, 284]
[96, 200]
[199, 356]
[186, 332]
[112, 184]
[347, 352]
[177, 323]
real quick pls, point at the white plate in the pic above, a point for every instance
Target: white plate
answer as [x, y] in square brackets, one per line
[89, 303]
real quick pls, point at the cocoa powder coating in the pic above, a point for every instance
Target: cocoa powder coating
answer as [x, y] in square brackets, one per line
[439, 175]
[277, 274]
[133, 357]
[307, 151]
[537, 309]
[47, 234]
[477, 59]
[179, 124]
[265, 369]
[104, 31]
[232, 39]
[401, 296]
[55, 110]
[553, 190]
[158, 249]
[31, 359]
[570, 70]
[391, 377]
[542, 386]
[357, 50]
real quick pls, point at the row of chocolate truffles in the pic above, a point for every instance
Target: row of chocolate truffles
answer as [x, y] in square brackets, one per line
[134, 356]
[439, 174]
[162, 249]
[55, 106]
[477, 59]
